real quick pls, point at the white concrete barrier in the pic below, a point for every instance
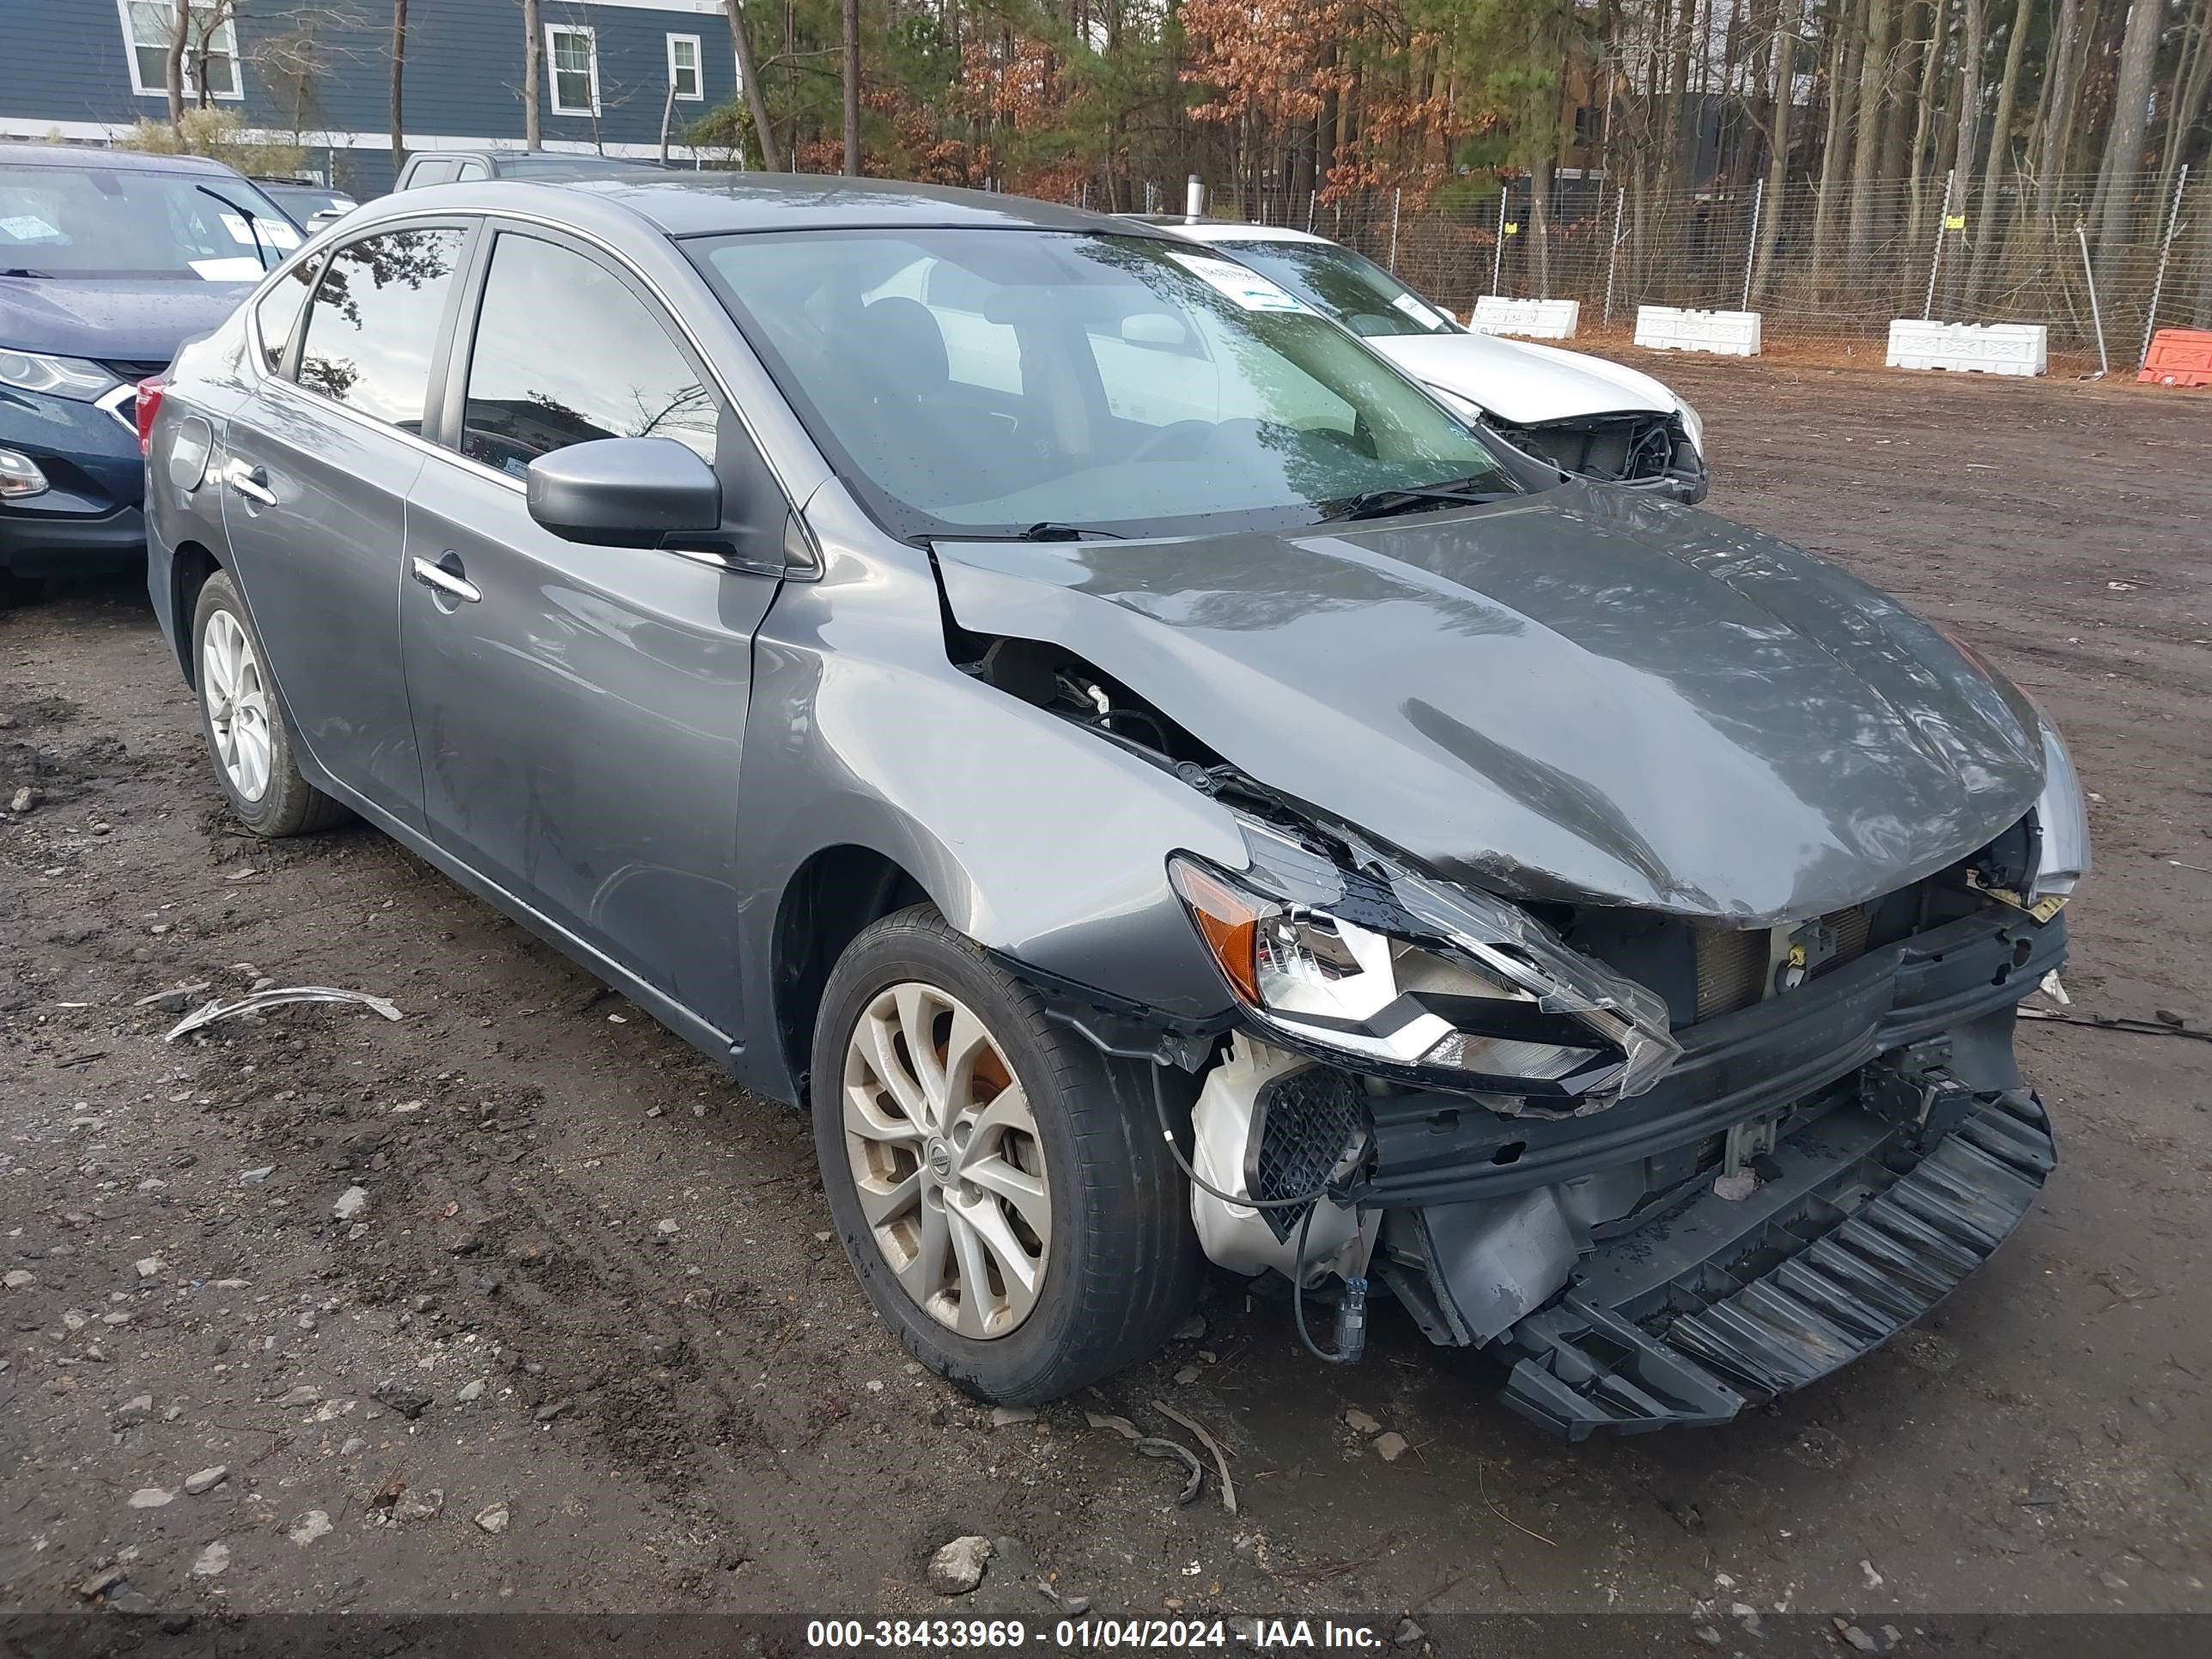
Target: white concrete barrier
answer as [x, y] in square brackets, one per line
[1539, 319]
[1666, 328]
[1982, 348]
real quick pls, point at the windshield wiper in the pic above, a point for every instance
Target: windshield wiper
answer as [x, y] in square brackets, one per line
[1045, 530]
[252, 222]
[1380, 503]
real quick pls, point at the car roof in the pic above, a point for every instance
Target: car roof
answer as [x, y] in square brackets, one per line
[1229, 230]
[85, 156]
[714, 204]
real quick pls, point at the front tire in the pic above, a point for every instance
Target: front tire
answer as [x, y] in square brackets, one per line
[997, 1182]
[242, 718]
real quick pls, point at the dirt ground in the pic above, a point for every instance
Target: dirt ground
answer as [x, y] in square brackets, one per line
[589, 1345]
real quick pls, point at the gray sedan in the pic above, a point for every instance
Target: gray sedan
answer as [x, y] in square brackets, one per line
[1155, 785]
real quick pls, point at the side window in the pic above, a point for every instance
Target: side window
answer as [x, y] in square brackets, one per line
[565, 353]
[276, 312]
[373, 323]
[438, 170]
[467, 170]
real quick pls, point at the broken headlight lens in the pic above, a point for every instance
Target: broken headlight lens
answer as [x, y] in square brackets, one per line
[1458, 986]
[2063, 823]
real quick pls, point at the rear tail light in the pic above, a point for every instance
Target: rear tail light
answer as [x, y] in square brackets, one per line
[149, 406]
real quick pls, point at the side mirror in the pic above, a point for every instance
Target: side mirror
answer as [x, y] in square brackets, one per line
[624, 492]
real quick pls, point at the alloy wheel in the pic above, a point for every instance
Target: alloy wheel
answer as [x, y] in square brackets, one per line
[238, 704]
[947, 1160]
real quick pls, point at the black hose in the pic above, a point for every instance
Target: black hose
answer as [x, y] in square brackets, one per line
[1298, 1305]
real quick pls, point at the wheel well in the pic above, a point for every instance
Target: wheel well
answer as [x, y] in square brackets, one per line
[835, 894]
[189, 569]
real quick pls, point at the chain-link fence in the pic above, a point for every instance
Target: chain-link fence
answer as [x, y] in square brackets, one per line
[1827, 270]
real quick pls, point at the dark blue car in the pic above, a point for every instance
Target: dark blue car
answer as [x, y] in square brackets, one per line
[109, 261]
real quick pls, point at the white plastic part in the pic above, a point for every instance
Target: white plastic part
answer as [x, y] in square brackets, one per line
[1536, 319]
[1236, 1236]
[1979, 348]
[1727, 333]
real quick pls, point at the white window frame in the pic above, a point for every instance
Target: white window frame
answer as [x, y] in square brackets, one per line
[698, 67]
[131, 44]
[552, 78]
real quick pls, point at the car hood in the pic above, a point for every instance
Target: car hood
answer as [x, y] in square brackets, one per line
[127, 319]
[1523, 383]
[1584, 696]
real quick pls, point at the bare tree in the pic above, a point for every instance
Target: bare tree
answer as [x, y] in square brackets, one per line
[1777, 138]
[755, 94]
[398, 75]
[2124, 140]
[853, 87]
[2000, 143]
[179, 34]
[533, 46]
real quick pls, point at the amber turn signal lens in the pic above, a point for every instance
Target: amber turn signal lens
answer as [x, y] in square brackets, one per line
[1227, 920]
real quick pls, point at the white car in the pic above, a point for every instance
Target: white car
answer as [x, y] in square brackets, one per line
[1583, 414]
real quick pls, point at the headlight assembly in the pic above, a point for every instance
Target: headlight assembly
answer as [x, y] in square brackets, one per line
[62, 377]
[1404, 977]
[2062, 824]
[1693, 427]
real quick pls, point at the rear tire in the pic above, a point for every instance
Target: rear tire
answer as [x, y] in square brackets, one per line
[242, 718]
[1073, 1210]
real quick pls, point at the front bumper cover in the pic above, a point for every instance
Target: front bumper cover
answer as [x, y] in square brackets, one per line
[1728, 1304]
[1901, 1149]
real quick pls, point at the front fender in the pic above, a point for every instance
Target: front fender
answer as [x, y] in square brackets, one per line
[1045, 844]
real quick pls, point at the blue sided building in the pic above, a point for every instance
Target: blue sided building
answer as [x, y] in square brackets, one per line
[319, 75]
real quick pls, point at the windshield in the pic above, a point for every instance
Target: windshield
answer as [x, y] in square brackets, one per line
[103, 221]
[990, 382]
[1349, 287]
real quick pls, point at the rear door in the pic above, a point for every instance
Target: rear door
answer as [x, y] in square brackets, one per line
[580, 709]
[320, 460]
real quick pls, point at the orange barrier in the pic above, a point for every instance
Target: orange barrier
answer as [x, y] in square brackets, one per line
[2178, 356]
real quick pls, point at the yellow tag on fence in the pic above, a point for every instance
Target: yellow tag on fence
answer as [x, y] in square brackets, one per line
[1956, 221]
[1512, 226]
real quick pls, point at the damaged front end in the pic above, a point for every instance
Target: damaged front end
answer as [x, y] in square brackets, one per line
[1659, 1170]
[1658, 1162]
[1644, 449]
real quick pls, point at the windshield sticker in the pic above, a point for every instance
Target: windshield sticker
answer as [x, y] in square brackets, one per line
[29, 227]
[228, 270]
[1249, 289]
[274, 233]
[1419, 310]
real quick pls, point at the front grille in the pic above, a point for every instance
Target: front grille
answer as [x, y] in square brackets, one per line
[133, 369]
[1733, 966]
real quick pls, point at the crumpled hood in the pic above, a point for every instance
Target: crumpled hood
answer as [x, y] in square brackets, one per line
[1523, 383]
[128, 320]
[1583, 695]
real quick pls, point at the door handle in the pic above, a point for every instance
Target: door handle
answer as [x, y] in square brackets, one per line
[450, 583]
[249, 481]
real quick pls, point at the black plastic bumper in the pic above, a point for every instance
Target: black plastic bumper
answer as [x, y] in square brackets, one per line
[1857, 1234]
[1440, 1148]
[48, 543]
